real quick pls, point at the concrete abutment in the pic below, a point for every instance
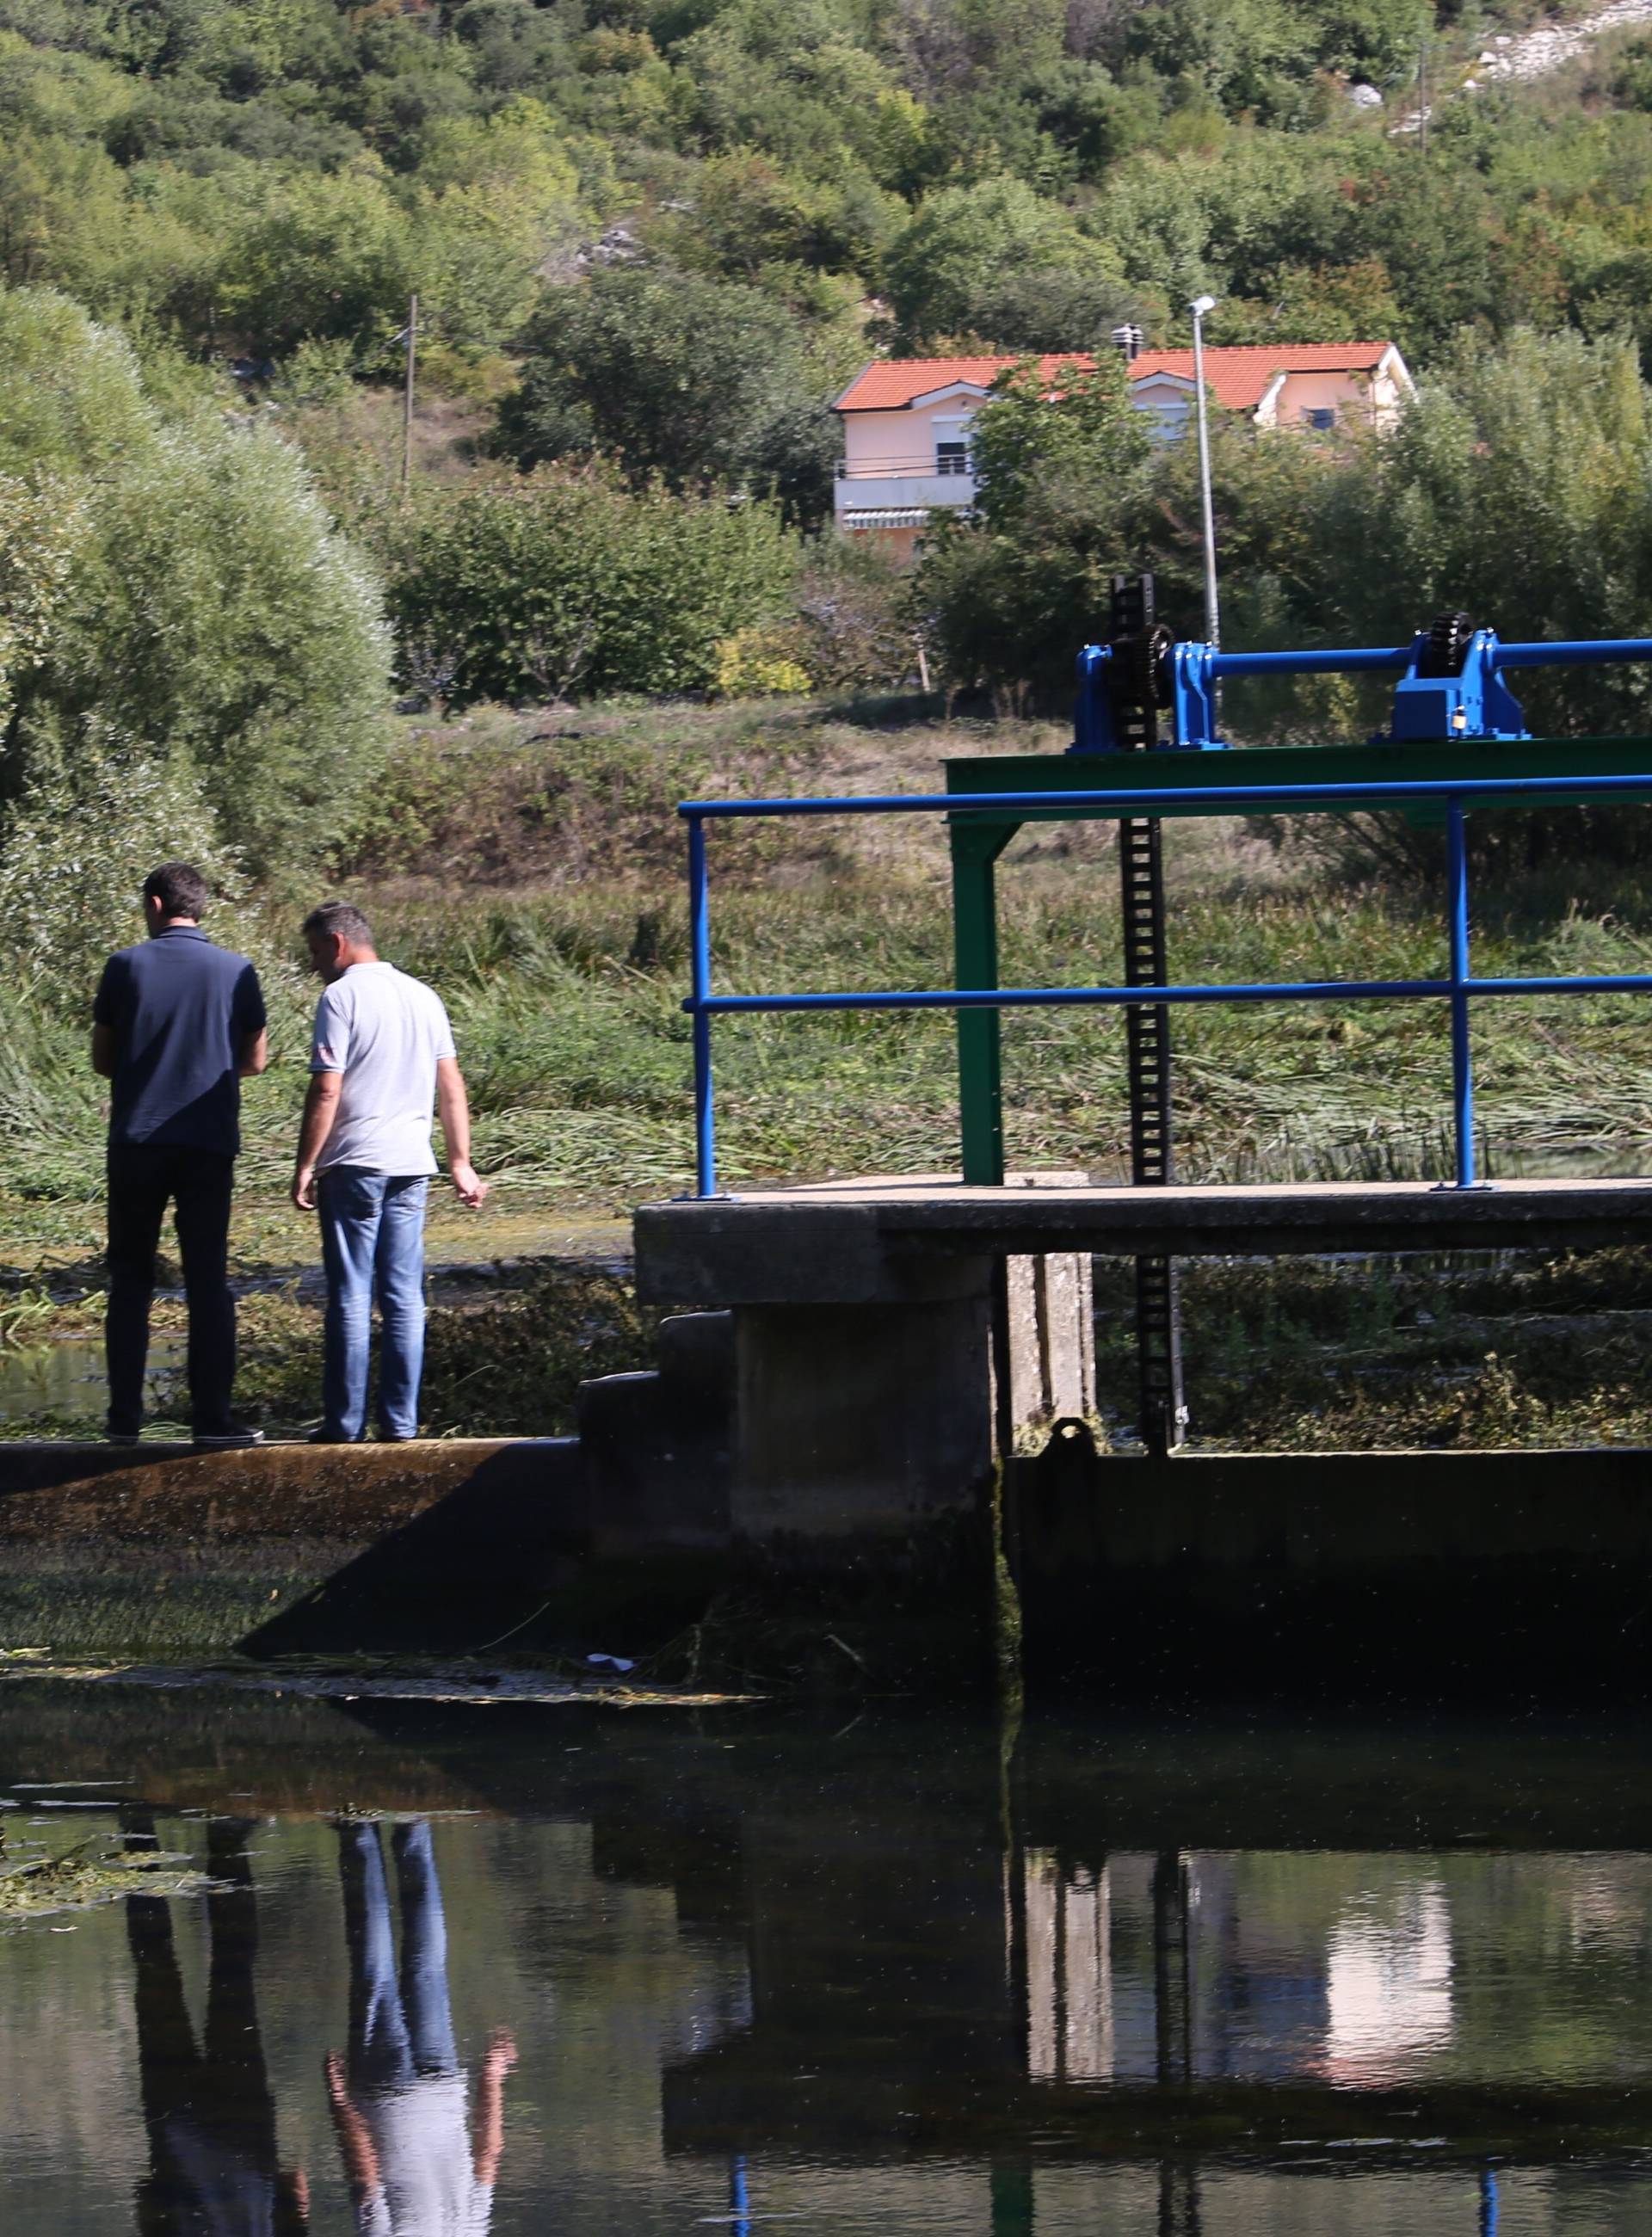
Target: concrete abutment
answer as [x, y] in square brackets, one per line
[869, 1447]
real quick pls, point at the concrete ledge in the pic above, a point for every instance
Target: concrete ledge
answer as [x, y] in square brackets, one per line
[1330, 1511]
[887, 1239]
[57, 1491]
[160, 1548]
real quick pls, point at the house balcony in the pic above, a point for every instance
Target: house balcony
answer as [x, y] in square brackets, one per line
[898, 488]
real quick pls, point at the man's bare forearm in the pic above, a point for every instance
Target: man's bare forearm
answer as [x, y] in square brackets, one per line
[490, 2107]
[452, 1107]
[320, 1109]
[355, 2139]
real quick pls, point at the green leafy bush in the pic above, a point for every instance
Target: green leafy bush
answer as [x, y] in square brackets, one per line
[209, 609]
[563, 585]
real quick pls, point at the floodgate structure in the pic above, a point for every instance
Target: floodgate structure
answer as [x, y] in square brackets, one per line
[874, 1400]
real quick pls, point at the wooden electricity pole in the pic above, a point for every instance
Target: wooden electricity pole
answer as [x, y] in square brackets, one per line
[407, 397]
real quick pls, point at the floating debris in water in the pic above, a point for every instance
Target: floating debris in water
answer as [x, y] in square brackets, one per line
[92, 1872]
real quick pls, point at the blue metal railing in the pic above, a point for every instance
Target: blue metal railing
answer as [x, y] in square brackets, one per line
[1458, 988]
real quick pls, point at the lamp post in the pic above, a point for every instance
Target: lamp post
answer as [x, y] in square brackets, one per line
[1198, 307]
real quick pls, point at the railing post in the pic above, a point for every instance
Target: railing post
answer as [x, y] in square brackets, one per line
[1462, 1071]
[705, 1152]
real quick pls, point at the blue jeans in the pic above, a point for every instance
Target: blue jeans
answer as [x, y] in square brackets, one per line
[372, 1240]
[399, 2028]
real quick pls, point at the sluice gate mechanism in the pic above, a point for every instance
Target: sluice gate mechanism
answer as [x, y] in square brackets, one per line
[1451, 686]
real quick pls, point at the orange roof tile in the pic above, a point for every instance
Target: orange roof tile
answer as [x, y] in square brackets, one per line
[1237, 377]
[890, 383]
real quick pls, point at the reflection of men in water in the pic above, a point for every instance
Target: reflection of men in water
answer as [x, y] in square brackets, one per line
[211, 2118]
[399, 2101]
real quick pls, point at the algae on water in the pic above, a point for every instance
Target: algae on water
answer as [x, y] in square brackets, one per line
[94, 1870]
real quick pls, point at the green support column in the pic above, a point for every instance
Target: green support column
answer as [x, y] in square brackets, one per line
[975, 848]
[1012, 2197]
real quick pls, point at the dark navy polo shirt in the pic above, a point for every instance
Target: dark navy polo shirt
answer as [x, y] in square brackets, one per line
[180, 1010]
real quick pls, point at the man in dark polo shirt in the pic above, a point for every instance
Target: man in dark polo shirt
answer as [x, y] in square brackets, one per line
[176, 1024]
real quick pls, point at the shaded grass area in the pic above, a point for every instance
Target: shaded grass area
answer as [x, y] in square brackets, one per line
[1453, 1349]
[503, 1358]
[506, 1364]
[1290, 1354]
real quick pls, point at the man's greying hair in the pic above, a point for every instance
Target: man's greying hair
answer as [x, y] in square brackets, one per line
[178, 889]
[340, 916]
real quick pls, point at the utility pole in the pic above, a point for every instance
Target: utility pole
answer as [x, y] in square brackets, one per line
[1421, 98]
[1198, 307]
[412, 339]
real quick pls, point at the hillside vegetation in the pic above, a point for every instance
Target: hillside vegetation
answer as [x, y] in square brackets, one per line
[279, 175]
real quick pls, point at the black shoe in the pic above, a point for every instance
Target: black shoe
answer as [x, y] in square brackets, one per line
[120, 1437]
[229, 1437]
[398, 1436]
[326, 1436]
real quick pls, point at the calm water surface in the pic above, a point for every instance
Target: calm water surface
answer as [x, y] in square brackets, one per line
[460, 1970]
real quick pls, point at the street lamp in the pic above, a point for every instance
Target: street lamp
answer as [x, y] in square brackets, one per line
[1199, 306]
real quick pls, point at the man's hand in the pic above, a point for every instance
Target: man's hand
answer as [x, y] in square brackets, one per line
[452, 1107]
[468, 1182]
[320, 1109]
[355, 2139]
[501, 2051]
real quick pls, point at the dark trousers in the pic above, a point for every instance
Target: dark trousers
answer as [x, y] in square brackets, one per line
[208, 2108]
[142, 1178]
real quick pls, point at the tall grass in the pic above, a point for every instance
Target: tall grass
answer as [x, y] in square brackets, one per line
[565, 988]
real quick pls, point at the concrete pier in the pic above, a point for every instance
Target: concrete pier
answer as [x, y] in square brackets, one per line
[868, 1392]
[1464, 1576]
[878, 1381]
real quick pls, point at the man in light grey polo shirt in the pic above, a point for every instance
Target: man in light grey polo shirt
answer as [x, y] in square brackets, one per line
[381, 1063]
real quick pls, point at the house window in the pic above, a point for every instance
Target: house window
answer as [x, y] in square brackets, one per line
[1323, 416]
[952, 457]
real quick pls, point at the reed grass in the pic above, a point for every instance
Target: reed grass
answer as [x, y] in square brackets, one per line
[561, 951]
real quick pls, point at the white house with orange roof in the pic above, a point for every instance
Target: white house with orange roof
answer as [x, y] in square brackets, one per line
[907, 420]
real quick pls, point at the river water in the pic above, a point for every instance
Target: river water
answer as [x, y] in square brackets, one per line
[453, 1968]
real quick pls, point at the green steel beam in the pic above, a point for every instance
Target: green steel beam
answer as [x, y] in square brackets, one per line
[975, 848]
[1164, 771]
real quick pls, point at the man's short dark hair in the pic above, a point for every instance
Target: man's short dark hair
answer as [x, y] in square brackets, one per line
[340, 916]
[178, 889]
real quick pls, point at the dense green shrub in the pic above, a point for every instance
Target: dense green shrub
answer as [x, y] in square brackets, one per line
[566, 584]
[997, 262]
[207, 612]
